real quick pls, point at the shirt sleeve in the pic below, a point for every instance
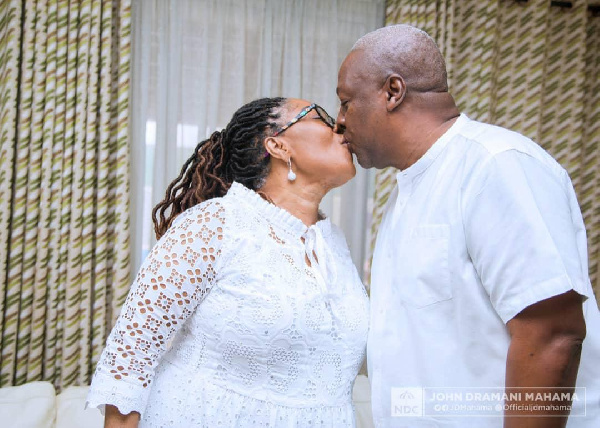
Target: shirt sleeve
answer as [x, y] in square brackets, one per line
[524, 232]
[173, 280]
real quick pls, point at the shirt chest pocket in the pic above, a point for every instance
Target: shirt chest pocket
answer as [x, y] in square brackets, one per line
[426, 272]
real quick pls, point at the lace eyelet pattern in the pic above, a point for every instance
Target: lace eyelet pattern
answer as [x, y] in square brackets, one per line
[227, 325]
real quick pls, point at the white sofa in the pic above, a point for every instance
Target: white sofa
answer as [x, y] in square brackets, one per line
[36, 405]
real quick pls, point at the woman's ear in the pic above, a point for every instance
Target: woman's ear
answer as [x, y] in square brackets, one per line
[395, 89]
[277, 148]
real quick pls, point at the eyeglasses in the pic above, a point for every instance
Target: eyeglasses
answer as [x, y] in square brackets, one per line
[328, 120]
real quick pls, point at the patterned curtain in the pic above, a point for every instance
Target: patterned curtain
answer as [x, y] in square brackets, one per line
[64, 184]
[529, 66]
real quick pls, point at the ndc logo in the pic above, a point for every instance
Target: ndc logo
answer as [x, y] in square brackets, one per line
[407, 402]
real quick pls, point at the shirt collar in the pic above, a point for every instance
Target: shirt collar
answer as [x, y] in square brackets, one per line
[433, 152]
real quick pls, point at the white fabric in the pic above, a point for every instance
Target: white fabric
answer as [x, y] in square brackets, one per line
[485, 224]
[361, 397]
[36, 405]
[71, 411]
[28, 406]
[194, 62]
[227, 324]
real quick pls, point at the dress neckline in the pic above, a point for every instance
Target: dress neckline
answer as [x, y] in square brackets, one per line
[275, 214]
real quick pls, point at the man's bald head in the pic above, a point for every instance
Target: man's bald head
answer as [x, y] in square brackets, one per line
[407, 51]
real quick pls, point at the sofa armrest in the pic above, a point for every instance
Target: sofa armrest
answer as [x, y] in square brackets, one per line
[32, 405]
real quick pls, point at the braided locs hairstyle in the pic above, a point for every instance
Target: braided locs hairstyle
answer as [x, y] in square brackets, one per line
[236, 153]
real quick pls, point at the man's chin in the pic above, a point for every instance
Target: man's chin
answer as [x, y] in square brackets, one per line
[363, 162]
[368, 162]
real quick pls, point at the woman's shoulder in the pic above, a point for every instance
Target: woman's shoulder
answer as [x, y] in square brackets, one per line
[211, 211]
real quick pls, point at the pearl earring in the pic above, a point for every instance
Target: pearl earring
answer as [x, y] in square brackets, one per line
[291, 174]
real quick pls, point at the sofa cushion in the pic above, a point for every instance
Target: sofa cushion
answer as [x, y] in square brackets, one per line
[71, 411]
[28, 406]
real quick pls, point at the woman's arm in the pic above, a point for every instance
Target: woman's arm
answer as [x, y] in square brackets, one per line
[114, 419]
[174, 279]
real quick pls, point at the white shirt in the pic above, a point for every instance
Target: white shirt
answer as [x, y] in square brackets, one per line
[227, 324]
[485, 224]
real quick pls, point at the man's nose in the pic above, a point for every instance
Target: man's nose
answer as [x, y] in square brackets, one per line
[339, 129]
[340, 123]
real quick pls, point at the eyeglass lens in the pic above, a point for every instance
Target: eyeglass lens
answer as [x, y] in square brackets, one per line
[330, 121]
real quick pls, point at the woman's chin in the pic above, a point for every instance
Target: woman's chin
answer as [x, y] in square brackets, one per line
[353, 171]
[345, 175]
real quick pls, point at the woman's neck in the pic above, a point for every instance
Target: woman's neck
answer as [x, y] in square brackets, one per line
[300, 201]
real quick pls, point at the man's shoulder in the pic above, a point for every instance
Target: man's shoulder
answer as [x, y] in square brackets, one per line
[495, 139]
[486, 142]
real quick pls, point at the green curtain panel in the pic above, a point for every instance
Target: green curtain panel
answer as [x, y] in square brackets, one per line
[528, 66]
[64, 184]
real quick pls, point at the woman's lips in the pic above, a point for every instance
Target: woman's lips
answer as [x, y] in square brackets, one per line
[347, 144]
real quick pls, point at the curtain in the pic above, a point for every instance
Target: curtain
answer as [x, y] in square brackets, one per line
[529, 66]
[64, 184]
[196, 61]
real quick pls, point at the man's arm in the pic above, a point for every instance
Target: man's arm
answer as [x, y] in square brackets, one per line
[544, 352]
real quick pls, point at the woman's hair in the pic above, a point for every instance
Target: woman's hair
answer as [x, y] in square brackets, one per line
[236, 153]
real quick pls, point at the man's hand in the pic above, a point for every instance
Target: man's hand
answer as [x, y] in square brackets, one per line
[544, 352]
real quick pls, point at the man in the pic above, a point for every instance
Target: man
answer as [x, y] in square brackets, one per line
[480, 291]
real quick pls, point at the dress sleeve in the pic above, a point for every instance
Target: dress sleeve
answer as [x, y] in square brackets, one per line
[524, 233]
[173, 280]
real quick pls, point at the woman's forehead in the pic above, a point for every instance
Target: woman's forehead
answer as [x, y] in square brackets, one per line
[293, 107]
[297, 103]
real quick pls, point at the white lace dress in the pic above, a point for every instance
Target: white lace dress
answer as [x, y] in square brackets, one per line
[228, 325]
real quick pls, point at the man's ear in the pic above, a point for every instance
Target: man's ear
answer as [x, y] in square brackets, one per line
[395, 89]
[277, 148]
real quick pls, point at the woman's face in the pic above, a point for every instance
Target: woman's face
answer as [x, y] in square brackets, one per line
[318, 154]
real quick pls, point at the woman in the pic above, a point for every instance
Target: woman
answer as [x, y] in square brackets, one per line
[248, 312]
